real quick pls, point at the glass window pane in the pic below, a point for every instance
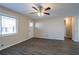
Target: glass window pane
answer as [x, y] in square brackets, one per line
[8, 25]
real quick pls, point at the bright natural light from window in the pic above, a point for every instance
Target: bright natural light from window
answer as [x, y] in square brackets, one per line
[8, 25]
[31, 24]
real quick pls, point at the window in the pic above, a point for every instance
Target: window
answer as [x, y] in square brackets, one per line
[8, 25]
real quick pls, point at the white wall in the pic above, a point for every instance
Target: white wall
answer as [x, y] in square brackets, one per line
[76, 29]
[50, 28]
[55, 28]
[31, 28]
[23, 25]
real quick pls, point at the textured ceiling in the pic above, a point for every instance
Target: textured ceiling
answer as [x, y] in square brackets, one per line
[59, 9]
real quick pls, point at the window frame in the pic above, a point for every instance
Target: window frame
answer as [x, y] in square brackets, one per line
[3, 14]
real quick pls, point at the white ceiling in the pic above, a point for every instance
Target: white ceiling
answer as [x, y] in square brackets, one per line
[58, 9]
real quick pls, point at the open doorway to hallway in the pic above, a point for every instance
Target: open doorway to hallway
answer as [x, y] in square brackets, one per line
[68, 27]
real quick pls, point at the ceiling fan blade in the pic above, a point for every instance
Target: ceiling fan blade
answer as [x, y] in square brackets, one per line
[35, 8]
[48, 8]
[46, 13]
[33, 12]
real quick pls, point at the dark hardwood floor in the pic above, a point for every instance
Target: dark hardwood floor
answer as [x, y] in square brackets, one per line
[43, 47]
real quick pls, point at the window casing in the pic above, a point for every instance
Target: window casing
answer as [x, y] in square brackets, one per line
[7, 25]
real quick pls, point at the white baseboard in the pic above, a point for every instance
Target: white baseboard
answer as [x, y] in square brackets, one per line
[49, 38]
[76, 40]
[4, 47]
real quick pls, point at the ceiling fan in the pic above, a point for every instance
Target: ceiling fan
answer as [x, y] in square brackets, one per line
[40, 11]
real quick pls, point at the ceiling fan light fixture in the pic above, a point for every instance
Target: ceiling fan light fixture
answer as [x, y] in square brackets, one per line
[40, 11]
[40, 14]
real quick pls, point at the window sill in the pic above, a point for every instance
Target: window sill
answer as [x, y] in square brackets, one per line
[7, 35]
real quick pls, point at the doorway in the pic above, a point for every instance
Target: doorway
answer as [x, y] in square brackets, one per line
[68, 27]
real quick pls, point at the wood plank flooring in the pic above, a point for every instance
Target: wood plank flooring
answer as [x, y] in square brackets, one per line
[36, 46]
